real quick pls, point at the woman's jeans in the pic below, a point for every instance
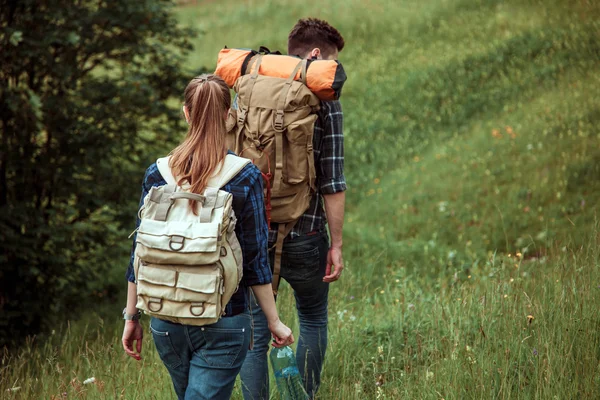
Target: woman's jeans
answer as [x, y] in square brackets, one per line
[203, 361]
[303, 267]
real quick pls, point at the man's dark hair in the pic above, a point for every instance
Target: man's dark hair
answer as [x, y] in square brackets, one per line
[309, 33]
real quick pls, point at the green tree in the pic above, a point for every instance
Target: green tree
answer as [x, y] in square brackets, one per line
[84, 105]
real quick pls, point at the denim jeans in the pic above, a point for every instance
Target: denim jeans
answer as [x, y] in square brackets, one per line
[203, 361]
[303, 267]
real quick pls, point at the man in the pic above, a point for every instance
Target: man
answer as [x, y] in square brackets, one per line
[309, 261]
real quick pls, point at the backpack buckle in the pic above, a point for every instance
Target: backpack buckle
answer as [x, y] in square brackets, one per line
[241, 115]
[176, 242]
[155, 304]
[278, 124]
[197, 309]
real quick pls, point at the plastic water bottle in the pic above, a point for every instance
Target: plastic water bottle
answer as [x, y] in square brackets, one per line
[287, 375]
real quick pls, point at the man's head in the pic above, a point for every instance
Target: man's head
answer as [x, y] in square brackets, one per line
[312, 37]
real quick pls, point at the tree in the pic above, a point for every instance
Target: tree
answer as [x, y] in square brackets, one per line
[84, 105]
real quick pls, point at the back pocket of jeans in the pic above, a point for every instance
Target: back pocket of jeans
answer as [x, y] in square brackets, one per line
[165, 348]
[223, 346]
[301, 264]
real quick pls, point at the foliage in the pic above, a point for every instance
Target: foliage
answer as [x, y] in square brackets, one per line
[83, 84]
[471, 241]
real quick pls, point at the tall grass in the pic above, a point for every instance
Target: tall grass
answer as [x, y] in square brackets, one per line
[514, 328]
[471, 237]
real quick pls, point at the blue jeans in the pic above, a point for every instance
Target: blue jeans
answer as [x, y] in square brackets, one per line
[203, 361]
[303, 267]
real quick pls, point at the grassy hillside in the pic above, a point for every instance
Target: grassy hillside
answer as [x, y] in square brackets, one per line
[471, 239]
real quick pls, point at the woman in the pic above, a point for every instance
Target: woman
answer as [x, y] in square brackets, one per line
[203, 361]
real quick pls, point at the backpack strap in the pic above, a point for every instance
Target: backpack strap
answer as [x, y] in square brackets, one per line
[282, 232]
[165, 170]
[232, 165]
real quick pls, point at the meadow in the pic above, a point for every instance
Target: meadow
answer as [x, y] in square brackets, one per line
[471, 240]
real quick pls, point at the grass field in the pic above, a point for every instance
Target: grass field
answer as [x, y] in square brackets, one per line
[471, 237]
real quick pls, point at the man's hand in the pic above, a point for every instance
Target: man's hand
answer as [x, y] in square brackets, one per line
[335, 265]
[133, 332]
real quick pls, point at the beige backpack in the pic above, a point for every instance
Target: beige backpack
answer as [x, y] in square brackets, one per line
[188, 266]
[273, 126]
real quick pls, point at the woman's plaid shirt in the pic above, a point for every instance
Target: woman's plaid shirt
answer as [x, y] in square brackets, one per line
[251, 229]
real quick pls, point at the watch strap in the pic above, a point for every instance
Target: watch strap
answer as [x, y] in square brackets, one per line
[130, 317]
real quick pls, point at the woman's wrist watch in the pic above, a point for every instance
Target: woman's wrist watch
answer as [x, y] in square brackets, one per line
[129, 317]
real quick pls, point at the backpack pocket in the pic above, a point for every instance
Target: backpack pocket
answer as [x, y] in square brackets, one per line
[172, 292]
[297, 149]
[178, 242]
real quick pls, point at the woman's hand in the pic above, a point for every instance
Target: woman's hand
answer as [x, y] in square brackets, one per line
[282, 335]
[133, 332]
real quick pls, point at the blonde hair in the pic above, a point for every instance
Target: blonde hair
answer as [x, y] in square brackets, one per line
[207, 99]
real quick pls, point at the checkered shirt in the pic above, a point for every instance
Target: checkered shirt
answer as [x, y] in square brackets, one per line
[251, 229]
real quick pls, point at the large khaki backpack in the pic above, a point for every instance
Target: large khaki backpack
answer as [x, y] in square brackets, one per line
[188, 266]
[273, 126]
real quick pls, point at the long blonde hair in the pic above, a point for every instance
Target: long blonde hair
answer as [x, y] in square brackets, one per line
[207, 99]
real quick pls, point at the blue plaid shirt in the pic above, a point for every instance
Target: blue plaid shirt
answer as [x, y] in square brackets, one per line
[251, 229]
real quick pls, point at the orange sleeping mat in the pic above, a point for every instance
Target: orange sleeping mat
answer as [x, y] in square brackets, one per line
[325, 78]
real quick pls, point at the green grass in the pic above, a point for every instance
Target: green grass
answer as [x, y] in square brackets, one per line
[473, 161]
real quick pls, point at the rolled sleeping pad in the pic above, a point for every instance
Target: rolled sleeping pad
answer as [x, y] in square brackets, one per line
[325, 78]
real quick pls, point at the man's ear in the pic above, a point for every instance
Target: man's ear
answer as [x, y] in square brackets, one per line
[315, 53]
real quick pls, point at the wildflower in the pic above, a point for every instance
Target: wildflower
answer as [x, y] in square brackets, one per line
[89, 380]
[496, 134]
[376, 181]
[442, 206]
[380, 349]
[382, 292]
[510, 132]
[505, 296]
[358, 387]
[535, 352]
[429, 375]
[397, 280]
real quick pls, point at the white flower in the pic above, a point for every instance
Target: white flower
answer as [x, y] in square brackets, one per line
[89, 380]
[442, 206]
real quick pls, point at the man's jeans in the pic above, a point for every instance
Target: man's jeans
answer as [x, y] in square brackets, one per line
[203, 361]
[303, 267]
